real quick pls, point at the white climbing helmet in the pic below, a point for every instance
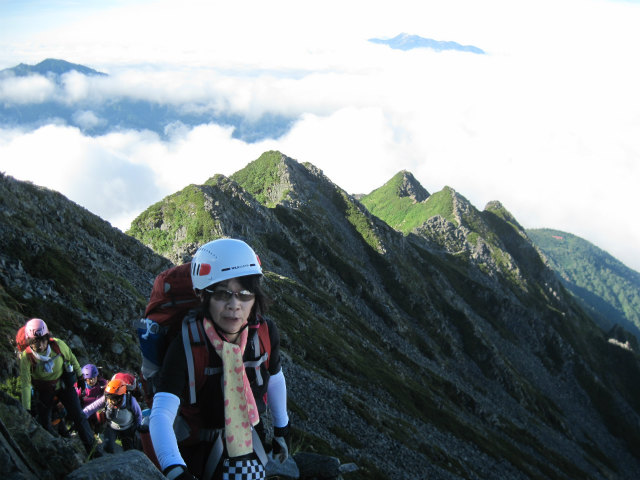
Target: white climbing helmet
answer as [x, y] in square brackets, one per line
[221, 260]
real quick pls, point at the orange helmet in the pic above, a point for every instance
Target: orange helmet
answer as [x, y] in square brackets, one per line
[116, 387]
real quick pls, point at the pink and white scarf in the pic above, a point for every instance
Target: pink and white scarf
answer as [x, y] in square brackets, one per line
[240, 411]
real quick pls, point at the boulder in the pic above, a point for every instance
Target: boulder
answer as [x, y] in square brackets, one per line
[132, 465]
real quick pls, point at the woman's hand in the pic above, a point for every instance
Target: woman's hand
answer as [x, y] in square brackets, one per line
[280, 443]
[178, 472]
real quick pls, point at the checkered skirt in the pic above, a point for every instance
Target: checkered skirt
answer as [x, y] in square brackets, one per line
[242, 469]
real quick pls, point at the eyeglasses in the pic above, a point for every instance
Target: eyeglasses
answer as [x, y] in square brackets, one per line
[225, 295]
[37, 340]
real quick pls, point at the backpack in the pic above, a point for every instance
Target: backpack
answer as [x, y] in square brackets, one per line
[172, 309]
[21, 339]
[128, 379]
[171, 298]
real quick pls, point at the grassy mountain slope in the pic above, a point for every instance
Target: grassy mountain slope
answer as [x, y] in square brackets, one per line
[398, 202]
[463, 358]
[607, 288]
[448, 221]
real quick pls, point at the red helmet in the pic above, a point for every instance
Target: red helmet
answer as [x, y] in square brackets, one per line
[35, 328]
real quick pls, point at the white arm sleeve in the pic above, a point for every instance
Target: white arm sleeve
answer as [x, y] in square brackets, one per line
[277, 395]
[163, 413]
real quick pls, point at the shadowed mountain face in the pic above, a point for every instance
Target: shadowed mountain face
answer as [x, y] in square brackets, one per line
[448, 351]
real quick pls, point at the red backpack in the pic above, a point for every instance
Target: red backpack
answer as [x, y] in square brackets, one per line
[128, 379]
[21, 340]
[172, 308]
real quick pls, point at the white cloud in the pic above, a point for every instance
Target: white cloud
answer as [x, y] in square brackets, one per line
[101, 179]
[86, 119]
[547, 122]
[22, 90]
[75, 87]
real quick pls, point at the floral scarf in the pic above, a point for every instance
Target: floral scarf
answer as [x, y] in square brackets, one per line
[240, 411]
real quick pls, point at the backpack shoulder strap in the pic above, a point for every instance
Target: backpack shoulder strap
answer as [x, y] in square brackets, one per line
[55, 347]
[29, 354]
[196, 352]
[265, 339]
[261, 346]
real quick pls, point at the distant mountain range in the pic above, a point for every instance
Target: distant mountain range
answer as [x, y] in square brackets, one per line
[404, 41]
[95, 117]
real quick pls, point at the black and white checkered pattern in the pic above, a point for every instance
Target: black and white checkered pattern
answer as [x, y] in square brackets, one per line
[242, 470]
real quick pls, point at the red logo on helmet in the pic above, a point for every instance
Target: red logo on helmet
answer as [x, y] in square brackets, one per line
[205, 269]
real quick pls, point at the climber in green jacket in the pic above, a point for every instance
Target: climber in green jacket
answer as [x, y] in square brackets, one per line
[50, 367]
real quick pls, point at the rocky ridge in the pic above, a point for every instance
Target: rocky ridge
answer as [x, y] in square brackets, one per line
[61, 262]
[411, 355]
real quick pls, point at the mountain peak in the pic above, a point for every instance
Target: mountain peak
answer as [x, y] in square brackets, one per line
[498, 209]
[408, 186]
[405, 41]
[397, 200]
[50, 66]
[275, 178]
[268, 178]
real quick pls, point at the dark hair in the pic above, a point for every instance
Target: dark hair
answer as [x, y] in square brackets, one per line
[248, 282]
[46, 336]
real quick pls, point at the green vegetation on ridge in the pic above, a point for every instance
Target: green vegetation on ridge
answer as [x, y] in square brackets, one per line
[261, 176]
[177, 220]
[402, 212]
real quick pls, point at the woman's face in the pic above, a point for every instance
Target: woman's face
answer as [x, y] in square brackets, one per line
[91, 381]
[230, 314]
[39, 344]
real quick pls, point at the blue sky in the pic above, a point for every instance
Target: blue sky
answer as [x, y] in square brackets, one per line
[547, 121]
[22, 18]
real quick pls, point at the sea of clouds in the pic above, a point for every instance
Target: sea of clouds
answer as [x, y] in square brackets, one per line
[546, 121]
